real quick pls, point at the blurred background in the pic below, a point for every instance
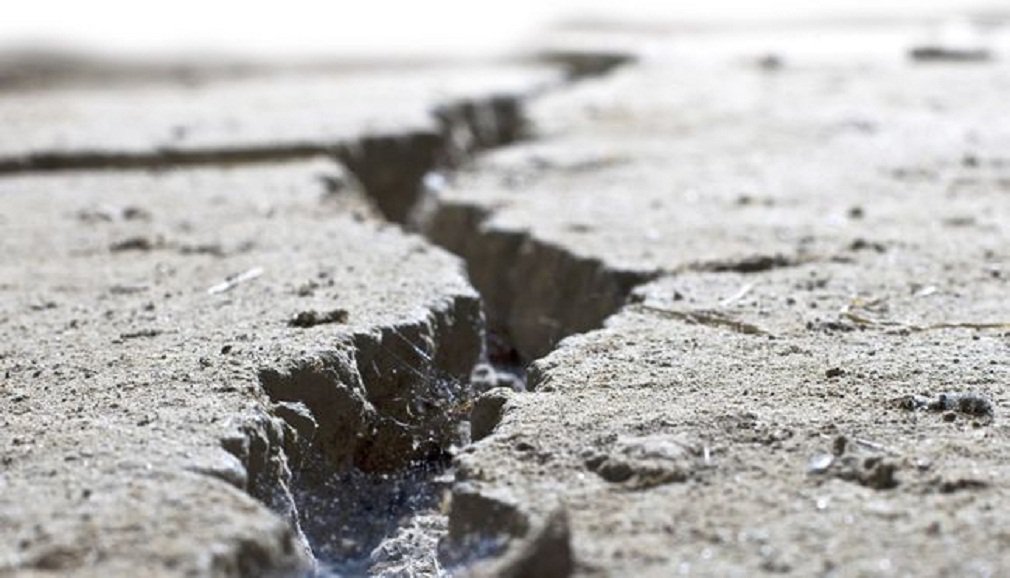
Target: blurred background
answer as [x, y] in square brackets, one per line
[390, 28]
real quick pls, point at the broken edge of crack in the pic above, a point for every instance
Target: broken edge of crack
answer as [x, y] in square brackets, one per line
[258, 445]
[491, 535]
[390, 166]
[488, 410]
[535, 292]
[160, 159]
[584, 63]
[380, 403]
[386, 401]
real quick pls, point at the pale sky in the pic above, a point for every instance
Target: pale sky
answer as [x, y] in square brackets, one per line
[375, 27]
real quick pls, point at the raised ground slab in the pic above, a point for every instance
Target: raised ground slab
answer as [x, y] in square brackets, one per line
[705, 159]
[785, 421]
[813, 381]
[176, 346]
[374, 119]
[265, 112]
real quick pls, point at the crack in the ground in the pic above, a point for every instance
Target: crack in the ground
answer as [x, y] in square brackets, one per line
[414, 533]
[535, 293]
[707, 317]
[375, 431]
[355, 449]
[746, 265]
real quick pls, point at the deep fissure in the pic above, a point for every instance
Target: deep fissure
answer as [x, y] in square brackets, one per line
[631, 342]
[356, 451]
[358, 518]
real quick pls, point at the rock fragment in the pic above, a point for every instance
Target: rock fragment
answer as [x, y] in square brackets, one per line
[306, 319]
[644, 462]
[968, 403]
[487, 412]
[949, 54]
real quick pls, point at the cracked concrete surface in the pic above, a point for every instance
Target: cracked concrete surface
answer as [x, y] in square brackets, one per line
[132, 400]
[279, 111]
[389, 125]
[681, 163]
[827, 248]
[686, 444]
[759, 279]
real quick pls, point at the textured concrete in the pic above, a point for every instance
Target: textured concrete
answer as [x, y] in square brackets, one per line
[690, 435]
[700, 158]
[389, 124]
[823, 225]
[759, 276]
[139, 382]
[278, 112]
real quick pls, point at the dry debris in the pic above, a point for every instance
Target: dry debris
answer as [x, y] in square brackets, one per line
[707, 317]
[872, 471]
[235, 280]
[969, 403]
[306, 319]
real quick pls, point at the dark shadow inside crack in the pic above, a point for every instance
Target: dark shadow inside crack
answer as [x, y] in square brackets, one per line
[360, 523]
[365, 485]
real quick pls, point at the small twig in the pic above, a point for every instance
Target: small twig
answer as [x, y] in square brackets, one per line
[709, 318]
[737, 296]
[874, 446]
[847, 313]
[959, 325]
[234, 281]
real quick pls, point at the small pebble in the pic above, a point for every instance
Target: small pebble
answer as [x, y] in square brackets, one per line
[820, 463]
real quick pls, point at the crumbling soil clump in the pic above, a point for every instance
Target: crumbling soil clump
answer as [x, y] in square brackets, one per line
[967, 403]
[307, 319]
